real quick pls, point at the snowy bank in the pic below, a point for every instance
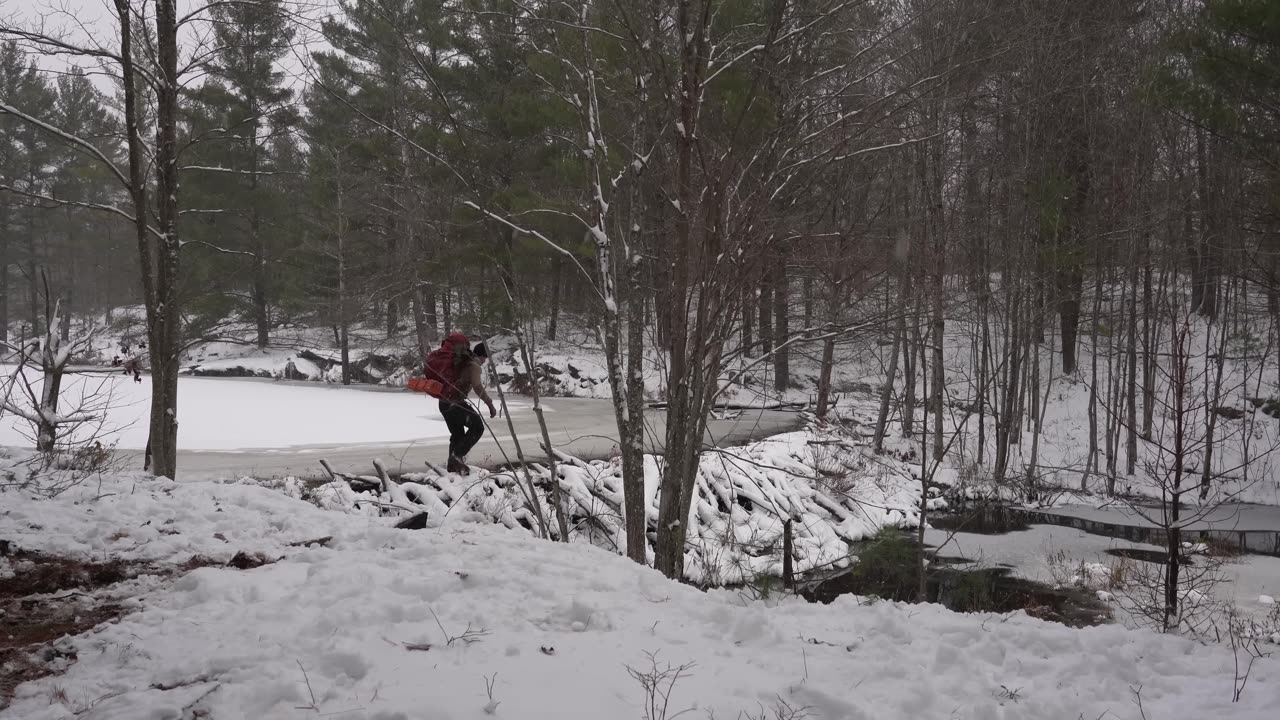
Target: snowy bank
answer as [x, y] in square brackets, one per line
[393, 624]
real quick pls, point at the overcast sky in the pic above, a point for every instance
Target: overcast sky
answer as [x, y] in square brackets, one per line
[92, 23]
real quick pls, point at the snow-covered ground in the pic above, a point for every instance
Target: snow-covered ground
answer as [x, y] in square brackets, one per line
[470, 621]
[243, 414]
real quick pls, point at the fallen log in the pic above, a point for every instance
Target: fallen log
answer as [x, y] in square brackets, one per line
[413, 522]
[740, 406]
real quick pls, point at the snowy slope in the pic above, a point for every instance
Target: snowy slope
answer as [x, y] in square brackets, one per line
[327, 631]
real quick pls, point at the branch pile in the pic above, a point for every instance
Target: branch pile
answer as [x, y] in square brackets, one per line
[833, 489]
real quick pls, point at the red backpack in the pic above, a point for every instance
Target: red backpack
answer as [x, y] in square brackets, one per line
[440, 374]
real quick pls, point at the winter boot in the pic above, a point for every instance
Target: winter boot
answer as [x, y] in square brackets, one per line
[462, 468]
[454, 465]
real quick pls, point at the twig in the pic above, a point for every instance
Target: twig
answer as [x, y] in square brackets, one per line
[492, 706]
[468, 636]
[1137, 699]
[310, 691]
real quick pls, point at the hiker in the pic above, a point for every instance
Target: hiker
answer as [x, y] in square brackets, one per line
[465, 424]
[133, 367]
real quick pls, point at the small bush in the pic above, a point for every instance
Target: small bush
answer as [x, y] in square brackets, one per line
[971, 592]
[888, 563]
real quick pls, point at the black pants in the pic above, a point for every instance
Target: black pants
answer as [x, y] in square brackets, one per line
[466, 427]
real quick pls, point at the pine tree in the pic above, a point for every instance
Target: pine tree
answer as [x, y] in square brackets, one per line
[25, 153]
[249, 98]
[82, 245]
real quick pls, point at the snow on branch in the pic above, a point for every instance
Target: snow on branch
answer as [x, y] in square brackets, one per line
[211, 246]
[233, 171]
[74, 203]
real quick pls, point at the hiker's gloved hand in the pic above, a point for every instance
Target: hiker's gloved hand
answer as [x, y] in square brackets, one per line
[493, 412]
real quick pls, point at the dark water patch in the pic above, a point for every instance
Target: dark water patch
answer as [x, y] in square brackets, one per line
[985, 520]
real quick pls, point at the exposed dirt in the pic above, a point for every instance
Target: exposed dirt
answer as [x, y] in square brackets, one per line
[49, 598]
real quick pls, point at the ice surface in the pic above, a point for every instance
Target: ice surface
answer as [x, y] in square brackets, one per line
[215, 414]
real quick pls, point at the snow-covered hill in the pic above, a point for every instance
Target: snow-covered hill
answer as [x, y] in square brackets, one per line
[468, 620]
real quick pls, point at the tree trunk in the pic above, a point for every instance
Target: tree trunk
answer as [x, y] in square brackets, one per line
[1205, 296]
[507, 273]
[1115, 371]
[632, 427]
[908, 374]
[344, 315]
[886, 392]
[1131, 444]
[1149, 349]
[432, 316]
[64, 321]
[1033, 392]
[1171, 495]
[1212, 398]
[748, 311]
[1091, 464]
[446, 309]
[1273, 308]
[1070, 285]
[33, 272]
[984, 304]
[922, 564]
[4, 271]
[258, 242]
[765, 326]
[423, 330]
[553, 324]
[939, 376]
[824, 381]
[808, 299]
[691, 353]
[781, 326]
[1007, 424]
[562, 523]
[662, 320]
[51, 376]
[164, 313]
[391, 317]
